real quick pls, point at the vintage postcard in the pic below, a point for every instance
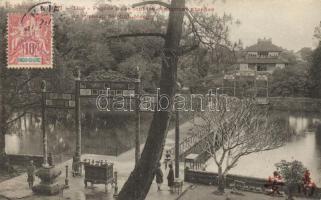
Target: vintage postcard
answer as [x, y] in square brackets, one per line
[160, 99]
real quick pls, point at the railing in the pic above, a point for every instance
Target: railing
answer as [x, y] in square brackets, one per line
[189, 143]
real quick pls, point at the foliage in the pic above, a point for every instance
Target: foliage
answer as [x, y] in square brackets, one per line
[315, 66]
[315, 72]
[289, 56]
[306, 53]
[317, 32]
[292, 172]
[291, 81]
[216, 52]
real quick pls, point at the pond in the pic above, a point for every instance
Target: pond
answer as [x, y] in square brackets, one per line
[304, 146]
[102, 133]
[112, 134]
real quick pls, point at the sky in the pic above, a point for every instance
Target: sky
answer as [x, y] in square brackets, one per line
[290, 23]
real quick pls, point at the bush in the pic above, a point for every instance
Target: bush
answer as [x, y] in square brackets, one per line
[292, 173]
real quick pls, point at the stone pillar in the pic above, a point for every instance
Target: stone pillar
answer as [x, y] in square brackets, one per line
[46, 173]
[43, 124]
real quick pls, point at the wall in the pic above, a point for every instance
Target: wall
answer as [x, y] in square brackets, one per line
[23, 160]
[210, 178]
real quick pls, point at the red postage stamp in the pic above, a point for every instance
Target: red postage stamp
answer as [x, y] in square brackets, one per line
[30, 41]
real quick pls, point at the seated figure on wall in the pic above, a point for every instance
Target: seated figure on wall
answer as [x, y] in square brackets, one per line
[275, 182]
[308, 184]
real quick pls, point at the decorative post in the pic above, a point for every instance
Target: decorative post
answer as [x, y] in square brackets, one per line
[67, 180]
[77, 156]
[177, 137]
[116, 185]
[137, 110]
[43, 123]
[47, 174]
[177, 144]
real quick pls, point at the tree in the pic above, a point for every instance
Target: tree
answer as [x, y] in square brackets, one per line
[139, 181]
[291, 81]
[305, 53]
[315, 67]
[203, 31]
[315, 73]
[317, 32]
[239, 128]
[289, 56]
[15, 95]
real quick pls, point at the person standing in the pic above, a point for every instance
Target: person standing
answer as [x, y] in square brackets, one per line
[31, 173]
[170, 176]
[167, 158]
[159, 176]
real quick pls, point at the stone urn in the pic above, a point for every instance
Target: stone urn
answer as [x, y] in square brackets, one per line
[48, 184]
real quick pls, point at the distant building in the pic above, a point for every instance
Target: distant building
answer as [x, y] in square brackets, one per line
[261, 58]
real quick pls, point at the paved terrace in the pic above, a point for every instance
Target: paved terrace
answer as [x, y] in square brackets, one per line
[17, 188]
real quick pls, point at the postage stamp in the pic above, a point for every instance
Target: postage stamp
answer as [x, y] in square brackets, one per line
[30, 41]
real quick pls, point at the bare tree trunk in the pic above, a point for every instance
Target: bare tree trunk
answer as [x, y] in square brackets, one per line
[25, 123]
[2, 143]
[139, 181]
[221, 180]
[2, 116]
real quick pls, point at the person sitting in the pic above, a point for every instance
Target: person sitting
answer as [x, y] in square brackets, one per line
[275, 182]
[308, 184]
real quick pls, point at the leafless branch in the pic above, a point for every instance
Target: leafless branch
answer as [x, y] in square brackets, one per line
[242, 131]
[185, 50]
[16, 118]
[138, 35]
[166, 5]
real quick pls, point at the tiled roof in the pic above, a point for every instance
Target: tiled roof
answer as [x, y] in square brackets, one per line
[262, 60]
[264, 45]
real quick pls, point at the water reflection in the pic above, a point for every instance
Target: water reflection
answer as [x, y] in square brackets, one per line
[305, 146]
[102, 133]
